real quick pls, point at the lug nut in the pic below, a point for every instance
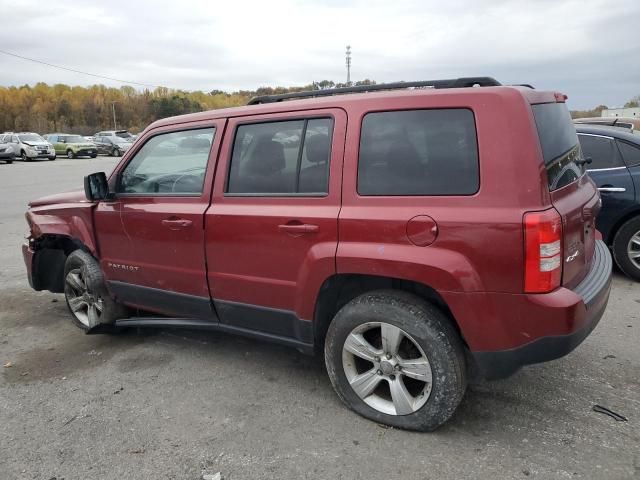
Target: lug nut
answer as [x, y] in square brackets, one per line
[388, 356]
[379, 372]
[377, 359]
[397, 367]
[392, 377]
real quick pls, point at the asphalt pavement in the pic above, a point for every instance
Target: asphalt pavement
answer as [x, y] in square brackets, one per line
[163, 404]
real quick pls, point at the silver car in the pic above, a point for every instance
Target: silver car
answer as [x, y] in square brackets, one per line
[29, 146]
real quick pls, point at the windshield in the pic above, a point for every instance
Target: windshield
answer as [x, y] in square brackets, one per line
[31, 137]
[124, 134]
[74, 139]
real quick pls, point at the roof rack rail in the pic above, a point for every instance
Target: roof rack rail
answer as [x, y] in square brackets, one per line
[449, 83]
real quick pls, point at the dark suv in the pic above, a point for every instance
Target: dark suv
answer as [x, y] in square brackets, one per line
[413, 235]
[615, 168]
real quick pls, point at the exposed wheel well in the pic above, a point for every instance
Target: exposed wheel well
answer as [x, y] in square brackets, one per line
[48, 264]
[339, 290]
[619, 223]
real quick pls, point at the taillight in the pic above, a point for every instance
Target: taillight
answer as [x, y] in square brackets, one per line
[543, 251]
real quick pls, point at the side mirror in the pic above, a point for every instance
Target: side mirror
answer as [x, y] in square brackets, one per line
[96, 186]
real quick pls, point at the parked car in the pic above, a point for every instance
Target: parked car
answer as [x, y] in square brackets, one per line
[396, 234]
[628, 123]
[72, 145]
[117, 133]
[114, 146]
[615, 167]
[6, 151]
[29, 146]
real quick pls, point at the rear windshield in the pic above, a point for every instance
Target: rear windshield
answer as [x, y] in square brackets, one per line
[559, 142]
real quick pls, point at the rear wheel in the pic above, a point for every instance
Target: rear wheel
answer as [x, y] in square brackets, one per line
[626, 248]
[70, 154]
[396, 359]
[93, 155]
[9, 162]
[86, 294]
[51, 159]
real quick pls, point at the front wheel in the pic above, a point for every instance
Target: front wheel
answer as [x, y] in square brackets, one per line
[9, 162]
[24, 156]
[395, 359]
[93, 155]
[51, 159]
[626, 248]
[70, 154]
[116, 152]
[86, 294]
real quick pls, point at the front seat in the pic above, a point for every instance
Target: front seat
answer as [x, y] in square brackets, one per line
[313, 179]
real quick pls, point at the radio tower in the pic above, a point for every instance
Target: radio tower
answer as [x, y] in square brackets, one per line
[348, 53]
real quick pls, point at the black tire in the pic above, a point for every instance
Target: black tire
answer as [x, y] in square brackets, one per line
[93, 155]
[92, 276]
[621, 242]
[51, 159]
[24, 156]
[430, 328]
[9, 162]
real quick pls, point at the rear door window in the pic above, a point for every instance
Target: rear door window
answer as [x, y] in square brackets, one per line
[559, 143]
[601, 150]
[281, 158]
[418, 152]
[630, 153]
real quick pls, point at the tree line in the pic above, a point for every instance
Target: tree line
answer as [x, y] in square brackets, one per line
[47, 108]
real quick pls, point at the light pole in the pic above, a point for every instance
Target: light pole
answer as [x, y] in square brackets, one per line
[113, 108]
[348, 53]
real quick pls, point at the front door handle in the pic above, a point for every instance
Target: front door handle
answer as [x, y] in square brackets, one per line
[176, 223]
[298, 228]
[612, 189]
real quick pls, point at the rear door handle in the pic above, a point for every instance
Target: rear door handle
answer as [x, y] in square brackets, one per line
[299, 228]
[176, 223]
[612, 189]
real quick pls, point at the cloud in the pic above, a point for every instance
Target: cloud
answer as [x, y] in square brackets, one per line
[578, 47]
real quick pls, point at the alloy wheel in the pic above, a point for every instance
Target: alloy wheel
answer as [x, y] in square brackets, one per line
[85, 306]
[387, 368]
[633, 249]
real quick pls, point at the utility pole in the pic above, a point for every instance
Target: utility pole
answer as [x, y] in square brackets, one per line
[113, 108]
[348, 53]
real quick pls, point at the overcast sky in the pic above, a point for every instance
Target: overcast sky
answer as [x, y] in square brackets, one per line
[589, 49]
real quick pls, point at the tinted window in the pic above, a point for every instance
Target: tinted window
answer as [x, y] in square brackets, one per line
[559, 143]
[290, 157]
[171, 163]
[601, 150]
[418, 152]
[630, 153]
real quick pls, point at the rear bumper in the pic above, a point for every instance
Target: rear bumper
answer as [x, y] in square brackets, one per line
[579, 316]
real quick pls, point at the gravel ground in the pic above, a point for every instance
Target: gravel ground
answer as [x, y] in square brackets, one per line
[161, 404]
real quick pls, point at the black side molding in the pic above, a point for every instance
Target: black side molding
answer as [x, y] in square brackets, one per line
[171, 303]
[200, 324]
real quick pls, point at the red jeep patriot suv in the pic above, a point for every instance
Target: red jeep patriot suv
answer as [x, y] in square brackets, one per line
[414, 234]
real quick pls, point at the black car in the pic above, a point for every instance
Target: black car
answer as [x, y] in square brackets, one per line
[615, 167]
[112, 145]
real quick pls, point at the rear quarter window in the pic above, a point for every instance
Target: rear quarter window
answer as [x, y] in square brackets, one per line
[559, 144]
[418, 152]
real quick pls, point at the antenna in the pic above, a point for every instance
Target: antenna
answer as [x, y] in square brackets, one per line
[348, 62]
